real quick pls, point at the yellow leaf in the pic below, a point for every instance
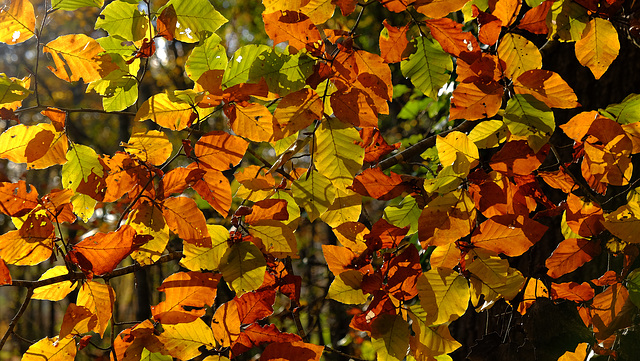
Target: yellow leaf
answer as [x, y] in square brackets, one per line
[51, 349]
[78, 56]
[457, 142]
[182, 340]
[390, 337]
[297, 111]
[167, 112]
[489, 134]
[276, 237]
[318, 11]
[253, 122]
[346, 207]
[337, 154]
[446, 219]
[491, 277]
[206, 258]
[40, 146]
[444, 295]
[56, 291]
[345, 288]
[99, 299]
[17, 22]
[598, 47]
[430, 342]
[438, 8]
[313, 192]
[579, 354]
[17, 250]
[152, 146]
[244, 266]
[147, 219]
[519, 54]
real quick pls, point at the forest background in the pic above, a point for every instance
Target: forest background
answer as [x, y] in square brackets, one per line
[313, 179]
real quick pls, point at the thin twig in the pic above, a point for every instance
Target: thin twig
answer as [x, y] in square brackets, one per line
[15, 318]
[421, 146]
[71, 110]
[327, 348]
[269, 165]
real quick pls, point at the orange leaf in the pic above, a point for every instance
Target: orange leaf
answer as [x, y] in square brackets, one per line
[16, 199]
[403, 273]
[490, 26]
[385, 235]
[572, 291]
[583, 217]
[25, 251]
[253, 121]
[226, 323]
[5, 275]
[58, 117]
[535, 20]
[548, 87]
[338, 258]
[374, 183]
[397, 6]
[375, 76]
[255, 306]
[517, 158]
[18, 22]
[393, 42]
[40, 146]
[451, 37]
[220, 150]
[609, 311]
[78, 56]
[256, 335]
[102, 252]
[356, 107]
[186, 295]
[178, 179]
[187, 221]
[509, 234]
[77, 320]
[292, 351]
[254, 178]
[125, 174]
[535, 288]
[446, 219]
[559, 180]
[214, 187]
[477, 100]
[375, 147]
[291, 26]
[438, 8]
[274, 209]
[571, 254]
[297, 111]
[507, 11]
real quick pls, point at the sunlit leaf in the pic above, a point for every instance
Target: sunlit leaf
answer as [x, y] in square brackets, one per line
[444, 295]
[598, 47]
[519, 54]
[40, 146]
[529, 117]
[390, 337]
[152, 146]
[345, 288]
[209, 55]
[292, 351]
[294, 27]
[477, 100]
[438, 8]
[428, 66]
[71, 5]
[571, 254]
[125, 20]
[186, 294]
[55, 291]
[182, 340]
[253, 121]
[509, 234]
[429, 341]
[297, 111]
[186, 220]
[566, 20]
[99, 299]
[547, 87]
[220, 150]
[51, 349]
[337, 155]
[393, 43]
[346, 207]
[78, 56]
[23, 250]
[167, 111]
[243, 265]
[206, 258]
[451, 37]
[446, 219]
[17, 22]
[276, 238]
[194, 19]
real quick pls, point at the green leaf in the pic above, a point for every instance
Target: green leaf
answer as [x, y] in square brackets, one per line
[633, 285]
[11, 90]
[208, 55]
[390, 337]
[626, 112]
[206, 258]
[283, 73]
[428, 67]
[117, 45]
[124, 19]
[82, 165]
[527, 116]
[337, 154]
[313, 192]
[71, 5]
[405, 214]
[195, 19]
[119, 90]
[243, 265]
[566, 20]
[83, 206]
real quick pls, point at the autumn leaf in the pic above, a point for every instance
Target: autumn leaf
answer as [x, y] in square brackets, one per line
[55, 291]
[40, 146]
[52, 349]
[571, 254]
[78, 56]
[193, 19]
[390, 337]
[444, 295]
[186, 295]
[152, 146]
[18, 22]
[183, 340]
[244, 266]
[99, 299]
[508, 234]
[167, 111]
[393, 42]
[427, 66]
[598, 47]
[187, 221]
[220, 150]
[291, 26]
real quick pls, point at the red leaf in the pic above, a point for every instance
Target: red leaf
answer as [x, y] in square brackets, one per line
[5, 276]
[166, 22]
[402, 274]
[517, 158]
[293, 351]
[385, 235]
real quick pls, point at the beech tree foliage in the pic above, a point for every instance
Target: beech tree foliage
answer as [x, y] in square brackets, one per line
[516, 194]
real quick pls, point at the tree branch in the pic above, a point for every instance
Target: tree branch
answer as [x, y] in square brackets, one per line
[15, 318]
